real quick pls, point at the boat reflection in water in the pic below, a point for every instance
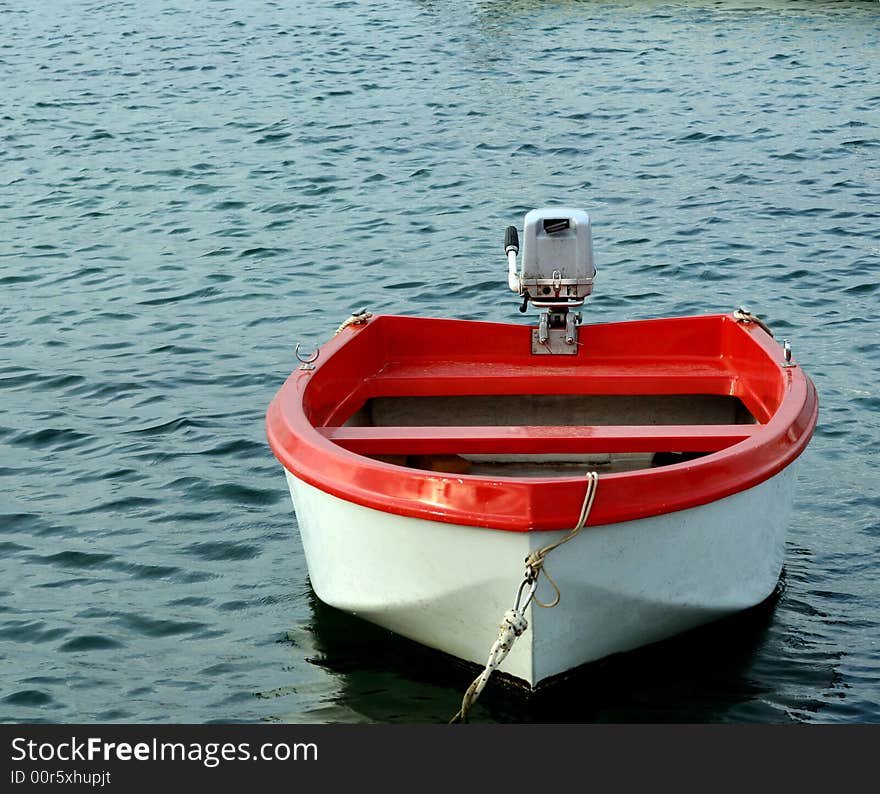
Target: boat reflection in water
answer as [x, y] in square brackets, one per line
[702, 676]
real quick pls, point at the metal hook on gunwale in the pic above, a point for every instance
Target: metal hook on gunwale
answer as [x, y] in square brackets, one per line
[306, 360]
[743, 315]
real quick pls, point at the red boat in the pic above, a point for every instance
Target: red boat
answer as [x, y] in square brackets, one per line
[427, 459]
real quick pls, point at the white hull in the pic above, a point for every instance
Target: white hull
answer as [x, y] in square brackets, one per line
[623, 585]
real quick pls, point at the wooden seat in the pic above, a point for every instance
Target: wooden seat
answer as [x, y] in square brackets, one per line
[518, 439]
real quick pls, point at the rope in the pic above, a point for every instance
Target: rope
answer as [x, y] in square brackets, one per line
[514, 622]
[745, 316]
[358, 318]
[535, 560]
[512, 626]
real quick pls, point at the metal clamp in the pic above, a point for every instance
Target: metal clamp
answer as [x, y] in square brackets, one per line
[743, 315]
[306, 361]
[530, 581]
[786, 353]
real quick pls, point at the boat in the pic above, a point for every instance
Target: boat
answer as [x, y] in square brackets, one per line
[647, 467]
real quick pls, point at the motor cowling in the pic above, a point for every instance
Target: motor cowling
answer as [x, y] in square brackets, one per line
[557, 269]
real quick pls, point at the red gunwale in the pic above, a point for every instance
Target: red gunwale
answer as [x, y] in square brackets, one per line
[391, 356]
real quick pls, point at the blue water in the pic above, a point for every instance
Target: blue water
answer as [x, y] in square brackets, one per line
[188, 190]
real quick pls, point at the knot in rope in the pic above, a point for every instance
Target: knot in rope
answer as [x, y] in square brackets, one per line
[516, 620]
[535, 560]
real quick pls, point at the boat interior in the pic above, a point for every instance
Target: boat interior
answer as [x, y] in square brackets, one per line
[472, 398]
[545, 434]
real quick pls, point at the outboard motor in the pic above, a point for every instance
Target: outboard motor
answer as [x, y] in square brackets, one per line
[556, 273]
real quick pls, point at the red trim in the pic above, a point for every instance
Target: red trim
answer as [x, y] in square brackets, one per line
[404, 356]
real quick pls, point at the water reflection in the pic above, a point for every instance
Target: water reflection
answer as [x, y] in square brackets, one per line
[703, 676]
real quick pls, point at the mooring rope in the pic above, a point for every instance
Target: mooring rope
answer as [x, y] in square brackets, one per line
[745, 316]
[514, 622]
[535, 560]
[358, 318]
